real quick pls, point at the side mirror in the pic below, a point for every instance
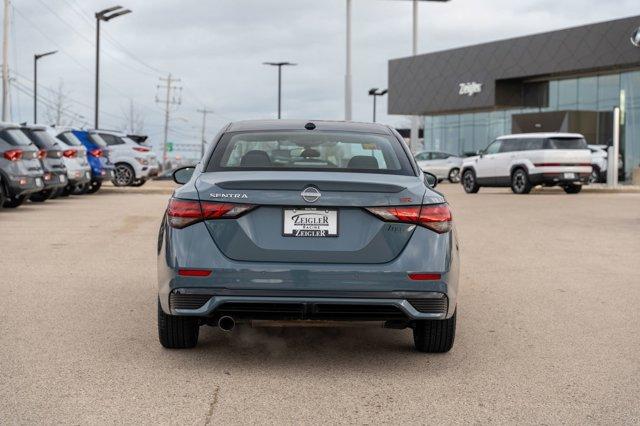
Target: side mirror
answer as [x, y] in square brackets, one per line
[480, 152]
[183, 175]
[431, 179]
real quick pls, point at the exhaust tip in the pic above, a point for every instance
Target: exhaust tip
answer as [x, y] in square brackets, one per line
[226, 323]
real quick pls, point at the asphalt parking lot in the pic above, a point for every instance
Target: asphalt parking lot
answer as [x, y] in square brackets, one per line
[548, 332]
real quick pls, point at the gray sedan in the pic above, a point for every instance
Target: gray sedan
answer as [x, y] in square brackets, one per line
[441, 164]
[307, 222]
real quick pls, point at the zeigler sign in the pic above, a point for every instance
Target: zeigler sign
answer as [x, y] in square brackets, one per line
[470, 89]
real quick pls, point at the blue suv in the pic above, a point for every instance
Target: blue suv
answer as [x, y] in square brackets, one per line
[98, 156]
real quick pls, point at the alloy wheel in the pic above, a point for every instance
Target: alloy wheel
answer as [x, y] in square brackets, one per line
[469, 181]
[454, 176]
[123, 175]
[519, 181]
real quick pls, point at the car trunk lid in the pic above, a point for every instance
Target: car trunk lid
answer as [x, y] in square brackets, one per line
[260, 234]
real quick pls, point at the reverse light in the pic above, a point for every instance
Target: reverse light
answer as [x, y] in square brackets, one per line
[182, 213]
[96, 152]
[69, 153]
[13, 154]
[436, 217]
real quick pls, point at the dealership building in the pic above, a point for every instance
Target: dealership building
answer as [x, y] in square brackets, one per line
[561, 81]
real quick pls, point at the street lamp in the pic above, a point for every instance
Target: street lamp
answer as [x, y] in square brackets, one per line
[35, 82]
[375, 93]
[279, 65]
[104, 15]
[347, 85]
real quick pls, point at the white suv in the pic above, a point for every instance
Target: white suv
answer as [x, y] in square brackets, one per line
[525, 160]
[134, 164]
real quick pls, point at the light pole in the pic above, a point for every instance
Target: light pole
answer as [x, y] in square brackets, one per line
[104, 15]
[347, 85]
[375, 93]
[280, 65]
[35, 82]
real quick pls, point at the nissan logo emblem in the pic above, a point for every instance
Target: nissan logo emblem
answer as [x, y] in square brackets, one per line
[310, 194]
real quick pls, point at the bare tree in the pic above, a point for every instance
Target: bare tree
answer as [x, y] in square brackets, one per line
[59, 108]
[134, 120]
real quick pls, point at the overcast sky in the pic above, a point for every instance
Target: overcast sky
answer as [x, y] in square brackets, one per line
[216, 48]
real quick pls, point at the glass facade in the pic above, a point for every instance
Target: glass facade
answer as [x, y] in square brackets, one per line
[469, 132]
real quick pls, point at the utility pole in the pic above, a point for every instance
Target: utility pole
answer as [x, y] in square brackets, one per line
[5, 63]
[204, 111]
[348, 91]
[169, 100]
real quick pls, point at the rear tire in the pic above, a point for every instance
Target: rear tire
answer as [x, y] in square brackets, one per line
[123, 175]
[3, 196]
[13, 202]
[435, 336]
[42, 196]
[94, 186]
[520, 182]
[469, 182]
[66, 191]
[454, 175]
[594, 177]
[572, 189]
[138, 182]
[176, 332]
[80, 189]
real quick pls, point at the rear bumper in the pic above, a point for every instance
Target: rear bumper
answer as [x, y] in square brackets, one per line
[24, 185]
[309, 305]
[552, 179]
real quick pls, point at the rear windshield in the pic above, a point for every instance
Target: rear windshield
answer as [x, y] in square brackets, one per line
[15, 137]
[310, 151]
[42, 139]
[565, 143]
[105, 139]
[70, 139]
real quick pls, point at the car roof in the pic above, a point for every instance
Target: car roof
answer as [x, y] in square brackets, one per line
[108, 132]
[8, 125]
[541, 136]
[321, 125]
[35, 127]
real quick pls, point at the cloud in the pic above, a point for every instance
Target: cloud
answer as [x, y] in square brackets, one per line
[217, 48]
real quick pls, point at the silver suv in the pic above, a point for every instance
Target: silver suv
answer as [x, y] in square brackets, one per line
[134, 164]
[20, 170]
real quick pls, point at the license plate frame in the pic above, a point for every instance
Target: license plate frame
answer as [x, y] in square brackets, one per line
[311, 230]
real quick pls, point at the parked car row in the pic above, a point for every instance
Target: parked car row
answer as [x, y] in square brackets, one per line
[40, 162]
[521, 162]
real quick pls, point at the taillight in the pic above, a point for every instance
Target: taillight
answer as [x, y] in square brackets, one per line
[141, 149]
[41, 154]
[69, 153]
[182, 213]
[13, 154]
[436, 217]
[96, 152]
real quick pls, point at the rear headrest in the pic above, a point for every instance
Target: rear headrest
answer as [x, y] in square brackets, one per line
[255, 158]
[363, 162]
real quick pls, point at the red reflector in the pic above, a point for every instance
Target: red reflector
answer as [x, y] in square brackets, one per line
[13, 154]
[419, 276]
[141, 149]
[194, 272]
